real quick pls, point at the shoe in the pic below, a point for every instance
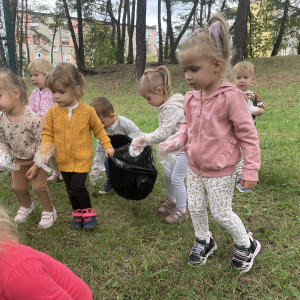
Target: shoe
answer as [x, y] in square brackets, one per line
[48, 218]
[23, 213]
[89, 218]
[77, 221]
[242, 190]
[107, 188]
[243, 257]
[168, 205]
[201, 251]
[177, 216]
[54, 176]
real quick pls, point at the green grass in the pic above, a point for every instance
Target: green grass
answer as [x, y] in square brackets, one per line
[134, 254]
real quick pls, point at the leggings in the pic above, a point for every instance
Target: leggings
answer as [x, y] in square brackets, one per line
[77, 192]
[216, 192]
[175, 180]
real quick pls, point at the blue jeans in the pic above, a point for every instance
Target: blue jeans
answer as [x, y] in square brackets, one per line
[106, 170]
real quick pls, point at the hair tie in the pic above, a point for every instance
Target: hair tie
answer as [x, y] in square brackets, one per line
[157, 70]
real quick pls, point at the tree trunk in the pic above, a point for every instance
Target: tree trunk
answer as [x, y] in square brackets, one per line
[122, 40]
[209, 10]
[81, 65]
[166, 50]
[78, 62]
[223, 5]
[282, 27]
[27, 46]
[201, 13]
[13, 5]
[113, 35]
[53, 38]
[170, 31]
[160, 43]
[21, 36]
[186, 24]
[240, 31]
[298, 51]
[140, 60]
[130, 57]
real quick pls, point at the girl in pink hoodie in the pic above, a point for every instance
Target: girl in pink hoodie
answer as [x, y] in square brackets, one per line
[217, 123]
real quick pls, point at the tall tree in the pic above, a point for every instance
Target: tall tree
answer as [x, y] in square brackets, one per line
[282, 28]
[140, 60]
[166, 49]
[120, 27]
[26, 27]
[240, 31]
[160, 43]
[130, 33]
[79, 51]
[21, 37]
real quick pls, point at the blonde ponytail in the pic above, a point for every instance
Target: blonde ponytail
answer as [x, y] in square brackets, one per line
[156, 78]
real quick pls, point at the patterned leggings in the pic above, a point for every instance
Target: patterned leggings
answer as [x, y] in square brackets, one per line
[217, 192]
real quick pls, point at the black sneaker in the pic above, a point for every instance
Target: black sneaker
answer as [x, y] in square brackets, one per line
[243, 257]
[201, 251]
[107, 188]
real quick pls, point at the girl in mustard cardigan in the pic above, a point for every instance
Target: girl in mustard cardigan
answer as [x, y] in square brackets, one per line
[68, 125]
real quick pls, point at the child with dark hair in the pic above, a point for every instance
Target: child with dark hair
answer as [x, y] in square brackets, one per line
[113, 125]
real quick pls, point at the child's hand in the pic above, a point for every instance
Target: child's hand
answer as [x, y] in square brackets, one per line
[168, 146]
[110, 151]
[248, 185]
[32, 172]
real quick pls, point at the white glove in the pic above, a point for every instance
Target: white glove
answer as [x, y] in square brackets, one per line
[137, 146]
[252, 107]
[5, 162]
[42, 156]
[95, 174]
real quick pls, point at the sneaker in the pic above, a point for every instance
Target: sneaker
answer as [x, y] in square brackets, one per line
[243, 257]
[77, 221]
[201, 251]
[168, 205]
[23, 213]
[177, 216]
[48, 218]
[54, 176]
[89, 218]
[107, 188]
[242, 190]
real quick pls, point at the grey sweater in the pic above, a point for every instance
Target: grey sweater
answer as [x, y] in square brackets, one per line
[122, 126]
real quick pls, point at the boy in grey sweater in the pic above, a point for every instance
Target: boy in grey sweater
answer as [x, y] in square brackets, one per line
[113, 125]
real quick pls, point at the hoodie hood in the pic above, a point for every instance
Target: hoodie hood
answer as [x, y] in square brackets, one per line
[224, 87]
[176, 100]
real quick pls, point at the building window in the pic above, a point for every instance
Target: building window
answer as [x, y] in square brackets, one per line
[55, 64]
[37, 55]
[66, 58]
[148, 34]
[52, 31]
[35, 22]
[64, 41]
[54, 48]
[36, 39]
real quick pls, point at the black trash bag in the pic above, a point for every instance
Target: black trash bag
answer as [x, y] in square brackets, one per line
[131, 177]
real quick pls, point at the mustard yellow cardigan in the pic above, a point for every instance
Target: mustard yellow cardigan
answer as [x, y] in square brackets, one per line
[73, 139]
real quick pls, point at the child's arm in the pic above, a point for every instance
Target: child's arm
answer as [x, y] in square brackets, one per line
[244, 129]
[4, 147]
[130, 129]
[31, 102]
[258, 105]
[99, 154]
[48, 134]
[99, 132]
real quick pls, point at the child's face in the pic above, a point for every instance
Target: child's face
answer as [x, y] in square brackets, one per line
[243, 79]
[63, 96]
[155, 99]
[38, 79]
[200, 72]
[7, 101]
[107, 121]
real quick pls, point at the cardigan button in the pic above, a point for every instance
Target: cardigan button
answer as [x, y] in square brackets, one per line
[69, 142]
[70, 168]
[70, 156]
[69, 127]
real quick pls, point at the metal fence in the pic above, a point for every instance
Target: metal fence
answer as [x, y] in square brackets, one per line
[7, 38]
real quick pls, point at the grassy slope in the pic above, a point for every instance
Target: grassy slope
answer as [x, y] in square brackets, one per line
[134, 254]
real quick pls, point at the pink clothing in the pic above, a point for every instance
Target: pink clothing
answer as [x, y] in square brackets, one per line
[40, 101]
[215, 128]
[28, 274]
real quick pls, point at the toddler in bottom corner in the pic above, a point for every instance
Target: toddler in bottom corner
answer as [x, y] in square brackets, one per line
[217, 123]
[68, 125]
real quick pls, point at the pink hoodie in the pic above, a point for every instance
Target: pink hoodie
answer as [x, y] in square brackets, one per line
[215, 128]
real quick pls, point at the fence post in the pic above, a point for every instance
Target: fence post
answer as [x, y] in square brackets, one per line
[11, 60]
